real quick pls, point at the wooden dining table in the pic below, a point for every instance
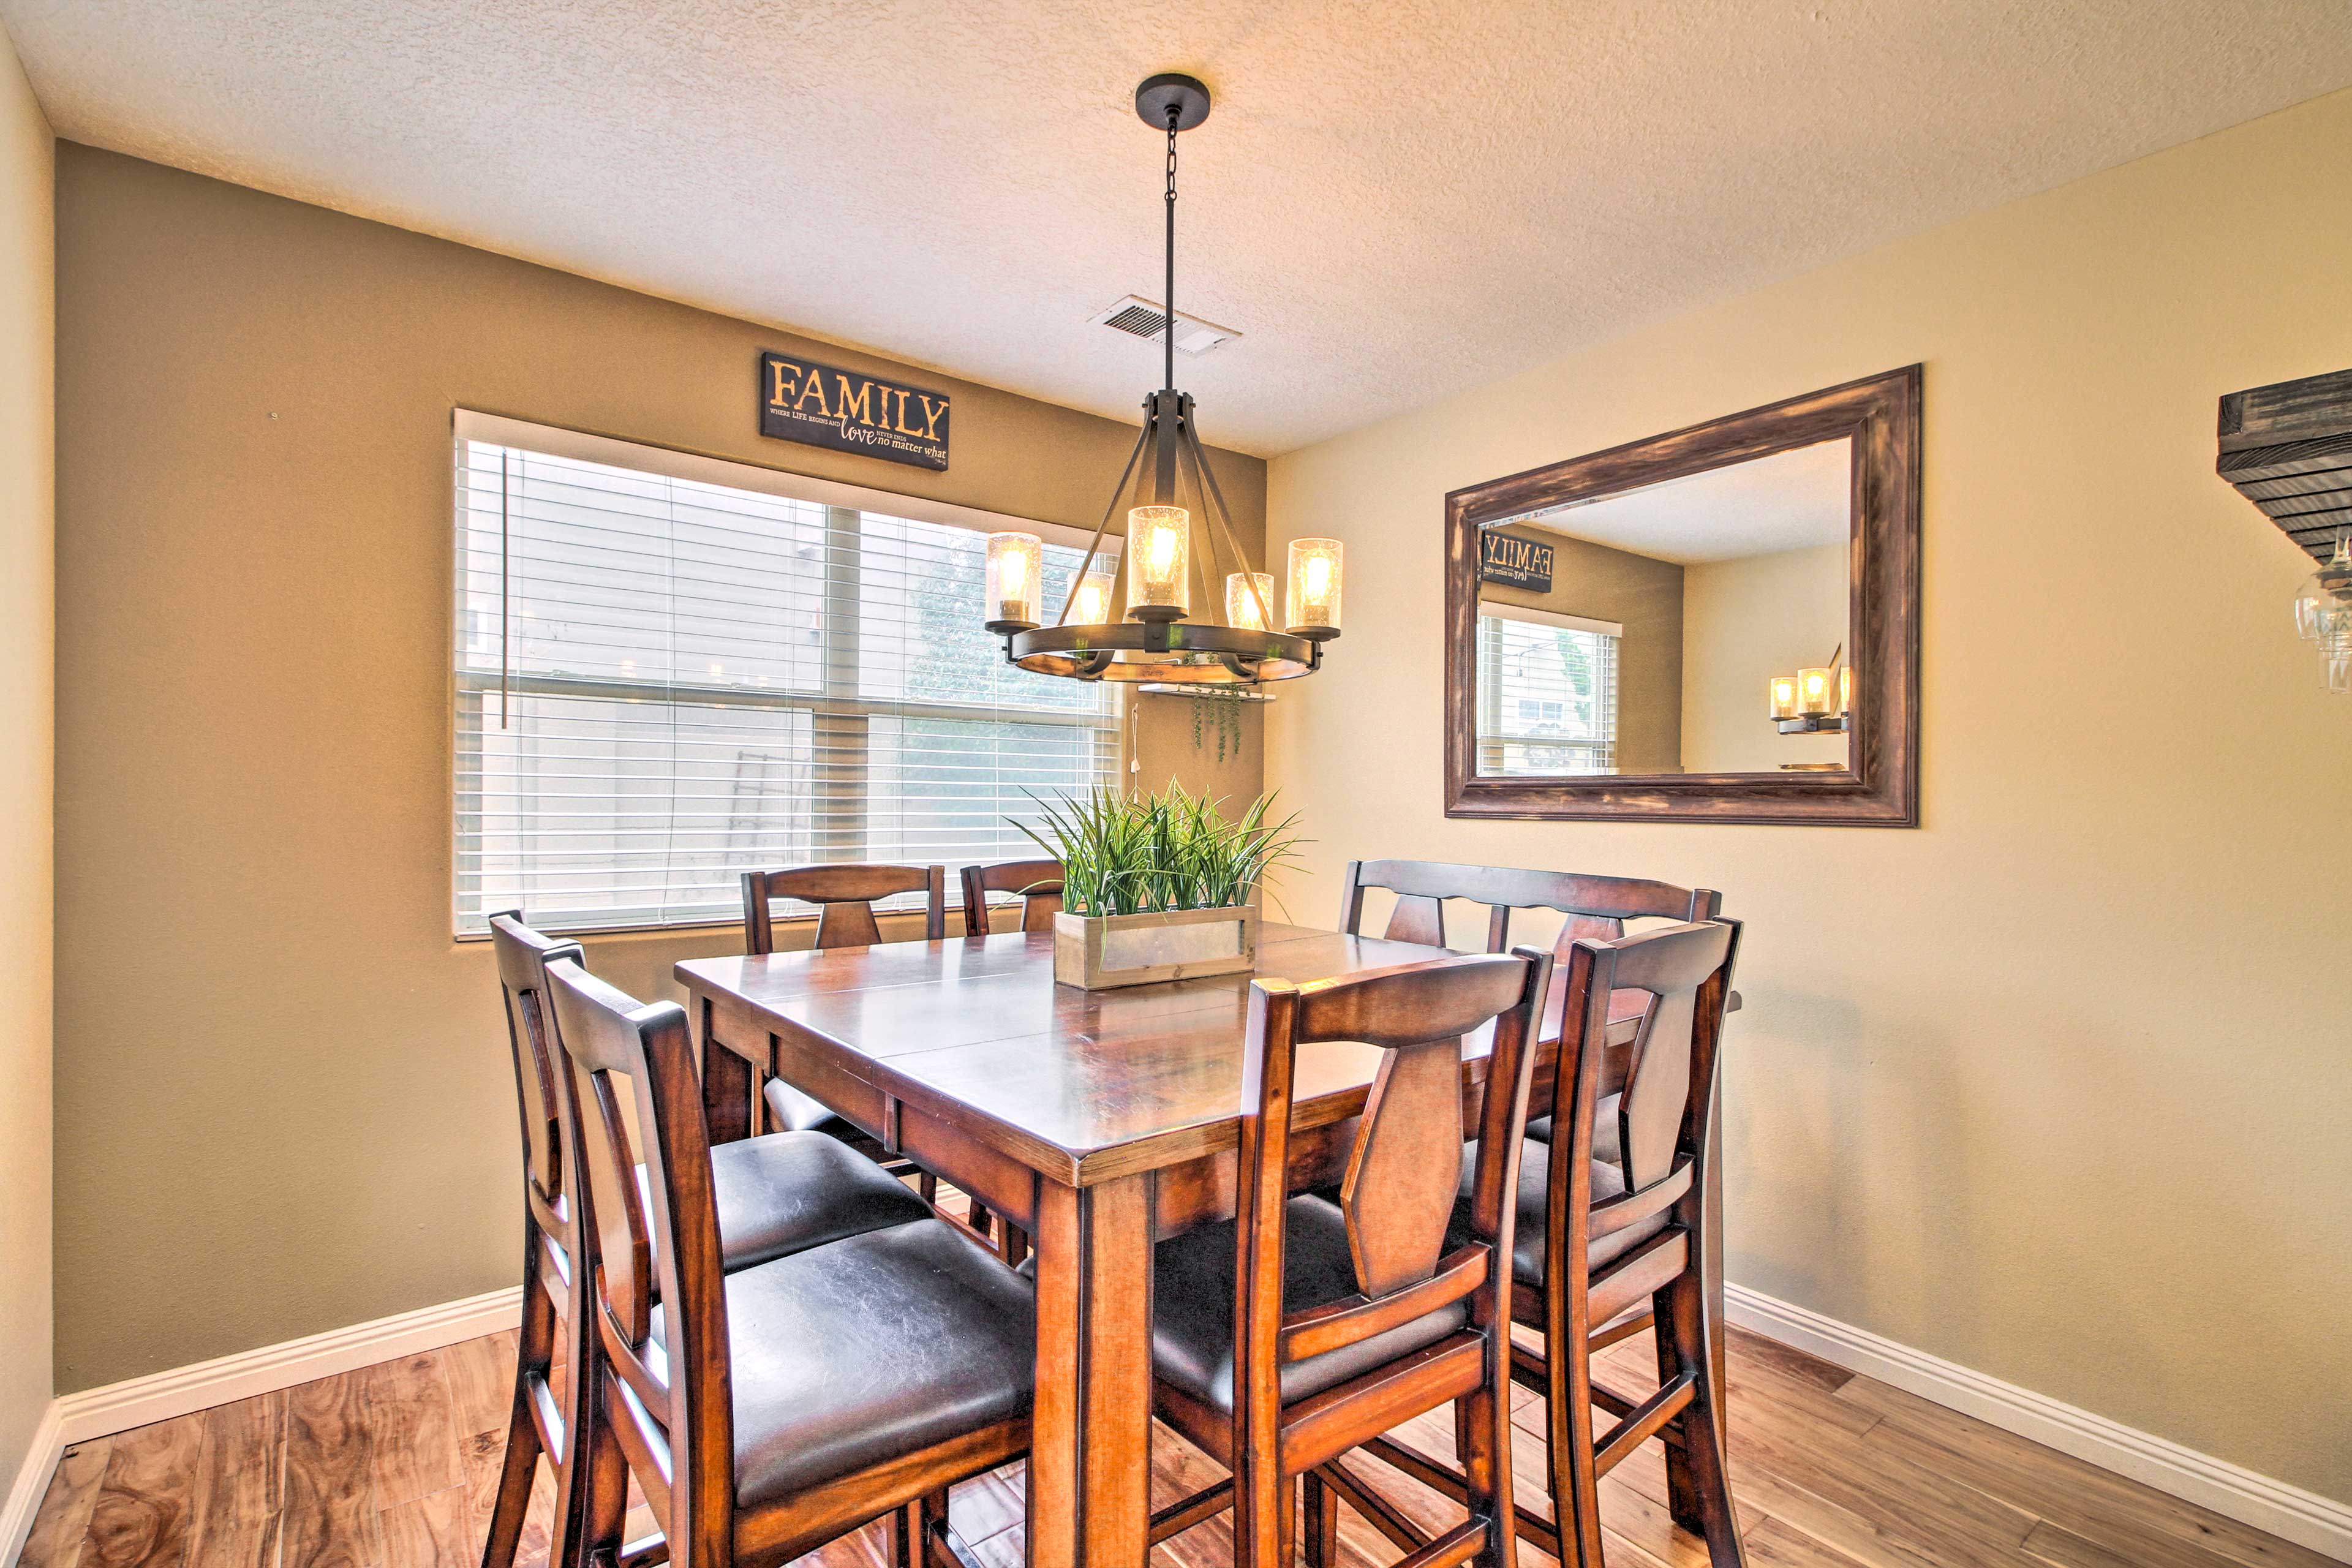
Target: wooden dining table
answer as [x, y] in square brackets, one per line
[1098, 1121]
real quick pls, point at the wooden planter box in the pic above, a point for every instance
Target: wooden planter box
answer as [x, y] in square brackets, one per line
[1100, 952]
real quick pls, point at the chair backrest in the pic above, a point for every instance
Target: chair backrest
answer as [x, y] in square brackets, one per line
[1595, 906]
[1039, 883]
[844, 897]
[1668, 1099]
[523, 955]
[1405, 1166]
[657, 1241]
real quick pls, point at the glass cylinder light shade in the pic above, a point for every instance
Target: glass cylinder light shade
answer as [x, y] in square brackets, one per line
[1015, 573]
[1159, 559]
[1314, 587]
[1813, 691]
[1845, 690]
[1092, 605]
[1784, 697]
[1246, 610]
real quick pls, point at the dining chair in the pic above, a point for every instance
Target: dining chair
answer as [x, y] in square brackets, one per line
[1303, 1327]
[1039, 883]
[775, 1196]
[1593, 907]
[1597, 1235]
[844, 896]
[767, 1411]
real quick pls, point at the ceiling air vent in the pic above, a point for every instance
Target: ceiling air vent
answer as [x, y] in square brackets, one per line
[1141, 317]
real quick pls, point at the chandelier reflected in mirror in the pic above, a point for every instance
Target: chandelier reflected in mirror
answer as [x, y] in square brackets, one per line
[2323, 615]
[1190, 609]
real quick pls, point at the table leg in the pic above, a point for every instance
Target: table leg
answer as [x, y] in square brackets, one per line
[1089, 1502]
[727, 1082]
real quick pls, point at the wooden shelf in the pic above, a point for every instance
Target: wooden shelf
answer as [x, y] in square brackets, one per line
[2287, 448]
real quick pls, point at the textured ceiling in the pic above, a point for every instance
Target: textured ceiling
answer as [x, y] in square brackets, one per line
[1394, 201]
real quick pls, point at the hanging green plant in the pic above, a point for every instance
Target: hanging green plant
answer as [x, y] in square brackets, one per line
[1223, 708]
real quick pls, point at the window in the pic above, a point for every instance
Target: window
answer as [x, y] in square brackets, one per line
[1547, 693]
[670, 669]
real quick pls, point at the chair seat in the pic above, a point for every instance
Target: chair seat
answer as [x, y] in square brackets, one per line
[788, 1192]
[1605, 1142]
[1193, 1307]
[862, 1350]
[793, 1111]
[1528, 1229]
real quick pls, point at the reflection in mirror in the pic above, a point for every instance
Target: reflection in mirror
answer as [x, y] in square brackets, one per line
[1647, 631]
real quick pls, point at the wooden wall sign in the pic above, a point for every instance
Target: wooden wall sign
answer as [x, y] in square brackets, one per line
[846, 411]
[1514, 562]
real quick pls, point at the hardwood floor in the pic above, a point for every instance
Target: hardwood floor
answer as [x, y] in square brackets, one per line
[395, 1466]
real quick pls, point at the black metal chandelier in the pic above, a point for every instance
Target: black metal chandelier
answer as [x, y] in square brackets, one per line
[1235, 640]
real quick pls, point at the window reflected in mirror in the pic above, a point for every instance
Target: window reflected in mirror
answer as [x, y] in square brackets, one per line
[1646, 631]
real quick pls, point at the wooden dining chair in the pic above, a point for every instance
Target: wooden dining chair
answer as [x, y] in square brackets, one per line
[776, 1195]
[1039, 883]
[1598, 1235]
[1593, 907]
[1304, 1328]
[767, 1411]
[844, 896]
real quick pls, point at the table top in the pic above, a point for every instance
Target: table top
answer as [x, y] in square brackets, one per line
[1085, 1085]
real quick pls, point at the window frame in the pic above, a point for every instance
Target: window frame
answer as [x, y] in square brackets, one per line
[468, 426]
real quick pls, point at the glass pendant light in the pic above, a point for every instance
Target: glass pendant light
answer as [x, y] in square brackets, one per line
[1178, 527]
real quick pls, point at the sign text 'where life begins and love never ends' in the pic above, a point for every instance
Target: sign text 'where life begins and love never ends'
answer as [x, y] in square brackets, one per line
[801, 400]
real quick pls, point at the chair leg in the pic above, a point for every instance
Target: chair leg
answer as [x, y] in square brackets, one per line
[1265, 1514]
[1482, 1438]
[1012, 1243]
[1568, 1417]
[927, 1187]
[535, 1348]
[599, 1474]
[1682, 1492]
[1684, 1332]
[1321, 1506]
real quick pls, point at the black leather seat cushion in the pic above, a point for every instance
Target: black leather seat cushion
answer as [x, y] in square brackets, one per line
[793, 1111]
[1605, 1142]
[1193, 1309]
[1527, 1229]
[788, 1192]
[866, 1349]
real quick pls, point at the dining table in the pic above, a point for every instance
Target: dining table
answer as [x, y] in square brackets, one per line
[1097, 1122]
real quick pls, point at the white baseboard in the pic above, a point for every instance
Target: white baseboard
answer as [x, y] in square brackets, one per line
[139, 1401]
[2231, 1490]
[142, 1401]
[24, 1500]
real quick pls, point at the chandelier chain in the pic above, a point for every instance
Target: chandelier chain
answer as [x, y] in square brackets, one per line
[1168, 379]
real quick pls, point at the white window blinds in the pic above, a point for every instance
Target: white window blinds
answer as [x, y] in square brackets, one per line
[670, 670]
[1547, 694]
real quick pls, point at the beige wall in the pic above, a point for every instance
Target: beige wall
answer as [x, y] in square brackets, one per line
[283, 1103]
[2056, 1086]
[27, 296]
[1645, 597]
[1744, 622]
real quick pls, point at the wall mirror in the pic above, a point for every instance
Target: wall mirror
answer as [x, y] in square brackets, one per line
[1719, 624]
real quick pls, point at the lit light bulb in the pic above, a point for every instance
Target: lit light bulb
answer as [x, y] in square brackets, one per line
[1784, 697]
[1092, 606]
[1160, 539]
[1243, 603]
[1845, 689]
[1813, 691]
[1014, 562]
[1315, 587]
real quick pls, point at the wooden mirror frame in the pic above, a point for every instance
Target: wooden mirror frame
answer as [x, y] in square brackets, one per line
[1879, 785]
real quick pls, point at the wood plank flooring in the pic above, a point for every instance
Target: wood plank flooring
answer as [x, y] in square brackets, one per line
[395, 1466]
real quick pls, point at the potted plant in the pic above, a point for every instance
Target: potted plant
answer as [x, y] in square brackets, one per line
[1158, 887]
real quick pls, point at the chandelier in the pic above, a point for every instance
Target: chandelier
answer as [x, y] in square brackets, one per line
[1813, 700]
[1225, 637]
[2323, 615]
